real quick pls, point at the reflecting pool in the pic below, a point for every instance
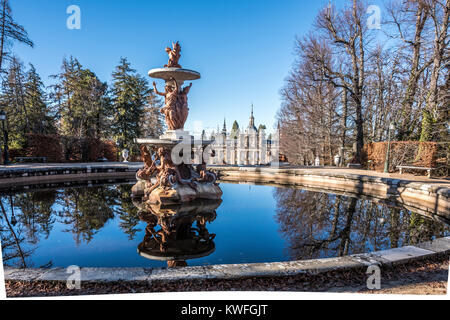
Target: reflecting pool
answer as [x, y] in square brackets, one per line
[103, 226]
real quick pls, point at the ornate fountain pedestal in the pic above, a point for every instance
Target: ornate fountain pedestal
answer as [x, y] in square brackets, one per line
[171, 174]
[162, 181]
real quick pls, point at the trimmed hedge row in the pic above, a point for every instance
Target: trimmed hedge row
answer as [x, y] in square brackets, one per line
[69, 149]
[415, 153]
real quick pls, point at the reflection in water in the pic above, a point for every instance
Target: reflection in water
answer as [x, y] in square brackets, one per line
[31, 215]
[27, 217]
[170, 234]
[326, 225]
[100, 226]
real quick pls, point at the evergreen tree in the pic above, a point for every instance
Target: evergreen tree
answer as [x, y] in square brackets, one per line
[25, 101]
[129, 102]
[41, 117]
[234, 130]
[203, 137]
[152, 122]
[81, 100]
[13, 100]
[9, 31]
[261, 127]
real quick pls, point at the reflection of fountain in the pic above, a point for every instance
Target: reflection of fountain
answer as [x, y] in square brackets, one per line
[169, 175]
[177, 239]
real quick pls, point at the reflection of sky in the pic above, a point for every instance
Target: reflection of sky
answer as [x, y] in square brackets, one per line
[246, 230]
[109, 247]
[244, 227]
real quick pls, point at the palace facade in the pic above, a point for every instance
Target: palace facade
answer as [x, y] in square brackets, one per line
[248, 147]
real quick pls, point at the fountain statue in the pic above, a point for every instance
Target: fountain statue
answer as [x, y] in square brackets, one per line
[174, 55]
[169, 175]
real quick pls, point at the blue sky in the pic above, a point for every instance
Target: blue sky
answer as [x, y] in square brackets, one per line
[242, 48]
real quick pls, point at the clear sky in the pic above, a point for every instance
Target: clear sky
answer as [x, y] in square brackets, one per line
[242, 48]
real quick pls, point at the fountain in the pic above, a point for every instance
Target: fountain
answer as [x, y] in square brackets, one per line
[175, 166]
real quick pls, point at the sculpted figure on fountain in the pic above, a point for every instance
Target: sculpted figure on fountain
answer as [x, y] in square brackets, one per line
[176, 108]
[174, 55]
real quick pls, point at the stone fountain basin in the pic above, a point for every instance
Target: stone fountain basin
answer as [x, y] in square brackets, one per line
[176, 73]
[178, 250]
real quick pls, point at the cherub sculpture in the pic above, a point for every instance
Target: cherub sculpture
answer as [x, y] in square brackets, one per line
[174, 55]
[168, 173]
[204, 174]
[150, 165]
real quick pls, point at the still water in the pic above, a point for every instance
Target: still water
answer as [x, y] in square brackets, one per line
[101, 226]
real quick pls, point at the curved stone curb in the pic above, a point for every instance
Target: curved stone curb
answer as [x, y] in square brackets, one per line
[236, 271]
[15, 177]
[39, 170]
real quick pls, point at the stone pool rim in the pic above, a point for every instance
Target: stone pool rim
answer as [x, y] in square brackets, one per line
[435, 195]
[390, 257]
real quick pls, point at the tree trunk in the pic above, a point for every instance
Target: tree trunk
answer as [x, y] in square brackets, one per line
[2, 36]
[344, 124]
[405, 128]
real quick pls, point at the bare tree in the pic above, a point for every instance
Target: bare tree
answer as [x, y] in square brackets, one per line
[309, 114]
[398, 78]
[335, 55]
[346, 34]
[409, 23]
[439, 12]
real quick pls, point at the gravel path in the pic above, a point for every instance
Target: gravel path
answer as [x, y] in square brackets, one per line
[426, 277]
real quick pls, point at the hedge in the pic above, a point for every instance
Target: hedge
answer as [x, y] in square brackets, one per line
[414, 153]
[44, 145]
[59, 149]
